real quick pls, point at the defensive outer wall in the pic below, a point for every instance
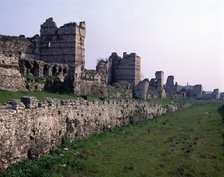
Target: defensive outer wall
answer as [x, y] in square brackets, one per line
[31, 124]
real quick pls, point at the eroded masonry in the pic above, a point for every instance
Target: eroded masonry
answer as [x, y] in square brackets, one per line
[29, 124]
[55, 60]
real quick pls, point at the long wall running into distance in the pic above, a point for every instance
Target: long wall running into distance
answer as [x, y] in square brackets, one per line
[31, 124]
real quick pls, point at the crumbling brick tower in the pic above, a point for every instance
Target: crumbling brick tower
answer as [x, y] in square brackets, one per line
[64, 45]
[126, 68]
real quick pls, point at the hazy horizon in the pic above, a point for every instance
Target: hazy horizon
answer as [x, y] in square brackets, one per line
[182, 38]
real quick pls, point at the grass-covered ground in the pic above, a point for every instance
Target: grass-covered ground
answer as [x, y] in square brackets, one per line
[168, 100]
[186, 143]
[7, 95]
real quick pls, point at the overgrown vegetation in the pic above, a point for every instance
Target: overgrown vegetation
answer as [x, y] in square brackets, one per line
[30, 78]
[186, 143]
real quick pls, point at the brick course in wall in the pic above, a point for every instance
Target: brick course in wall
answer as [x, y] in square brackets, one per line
[126, 68]
[64, 45]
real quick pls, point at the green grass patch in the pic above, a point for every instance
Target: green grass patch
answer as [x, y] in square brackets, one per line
[40, 95]
[168, 100]
[186, 143]
[7, 95]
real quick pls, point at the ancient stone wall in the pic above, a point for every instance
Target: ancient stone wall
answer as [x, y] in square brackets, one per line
[160, 80]
[120, 90]
[40, 75]
[64, 45]
[141, 91]
[12, 45]
[126, 68]
[216, 94]
[11, 50]
[37, 75]
[89, 82]
[10, 76]
[42, 69]
[60, 53]
[197, 91]
[222, 96]
[170, 87]
[40, 125]
[156, 85]
[103, 67]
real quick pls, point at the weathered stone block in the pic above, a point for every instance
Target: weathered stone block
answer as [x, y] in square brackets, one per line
[16, 104]
[141, 91]
[29, 102]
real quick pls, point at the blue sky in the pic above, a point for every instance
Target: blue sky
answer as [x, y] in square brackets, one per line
[184, 38]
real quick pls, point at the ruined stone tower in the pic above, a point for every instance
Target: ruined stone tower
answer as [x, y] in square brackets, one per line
[215, 94]
[64, 45]
[170, 87]
[57, 58]
[126, 68]
[197, 91]
[160, 80]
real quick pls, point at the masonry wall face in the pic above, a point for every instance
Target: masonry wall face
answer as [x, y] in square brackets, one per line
[170, 87]
[10, 76]
[41, 124]
[64, 45]
[60, 52]
[126, 68]
[15, 45]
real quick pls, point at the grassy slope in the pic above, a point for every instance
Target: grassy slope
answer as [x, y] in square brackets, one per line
[186, 143]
